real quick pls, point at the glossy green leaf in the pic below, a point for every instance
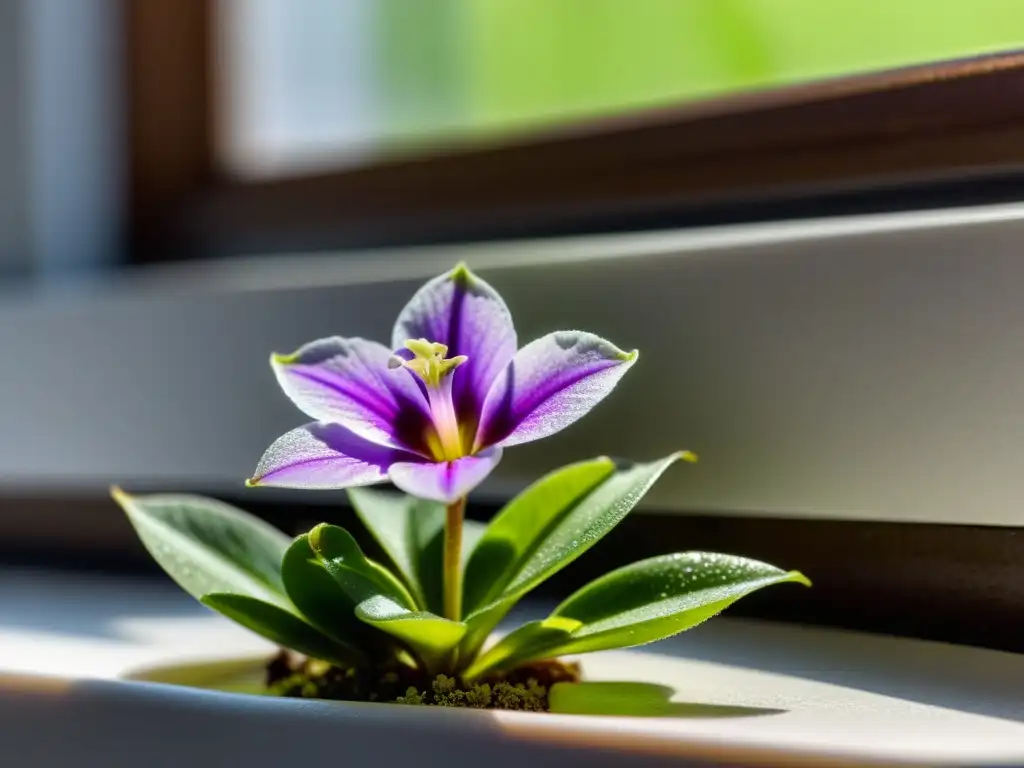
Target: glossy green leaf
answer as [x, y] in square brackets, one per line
[638, 604]
[358, 576]
[318, 596]
[532, 640]
[547, 527]
[208, 546]
[514, 533]
[662, 596]
[432, 637]
[383, 601]
[411, 533]
[282, 627]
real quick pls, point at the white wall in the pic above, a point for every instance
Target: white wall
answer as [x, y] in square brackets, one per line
[868, 367]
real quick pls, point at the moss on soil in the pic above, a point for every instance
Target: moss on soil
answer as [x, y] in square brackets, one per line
[523, 689]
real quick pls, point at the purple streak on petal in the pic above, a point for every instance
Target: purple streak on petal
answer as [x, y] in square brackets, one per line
[348, 381]
[320, 455]
[465, 313]
[446, 481]
[551, 383]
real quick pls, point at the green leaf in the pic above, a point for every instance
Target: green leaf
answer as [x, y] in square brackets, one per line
[662, 596]
[638, 604]
[532, 640]
[318, 596]
[282, 627]
[358, 576]
[411, 532]
[208, 546]
[432, 637]
[544, 529]
[514, 533]
[382, 600]
[472, 532]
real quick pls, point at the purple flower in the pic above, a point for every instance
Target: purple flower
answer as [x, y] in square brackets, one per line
[433, 415]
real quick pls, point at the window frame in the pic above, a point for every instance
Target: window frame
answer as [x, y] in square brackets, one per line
[833, 146]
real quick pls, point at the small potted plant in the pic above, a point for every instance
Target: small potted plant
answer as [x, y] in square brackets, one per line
[432, 413]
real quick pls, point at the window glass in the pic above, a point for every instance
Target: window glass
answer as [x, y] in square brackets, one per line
[325, 82]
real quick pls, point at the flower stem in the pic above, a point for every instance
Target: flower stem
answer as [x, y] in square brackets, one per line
[453, 560]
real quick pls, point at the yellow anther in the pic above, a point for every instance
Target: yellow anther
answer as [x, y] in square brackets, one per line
[429, 362]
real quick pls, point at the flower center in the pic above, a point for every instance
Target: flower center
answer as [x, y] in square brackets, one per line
[434, 369]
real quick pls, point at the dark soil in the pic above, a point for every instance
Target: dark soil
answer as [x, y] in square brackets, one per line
[525, 688]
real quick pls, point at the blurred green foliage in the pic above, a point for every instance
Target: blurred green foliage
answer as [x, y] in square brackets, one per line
[487, 65]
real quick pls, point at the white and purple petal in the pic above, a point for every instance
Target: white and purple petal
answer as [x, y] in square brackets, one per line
[550, 383]
[347, 381]
[320, 455]
[466, 314]
[447, 481]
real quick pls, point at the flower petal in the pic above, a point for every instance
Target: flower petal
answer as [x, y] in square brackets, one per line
[320, 455]
[462, 311]
[550, 383]
[445, 481]
[347, 381]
